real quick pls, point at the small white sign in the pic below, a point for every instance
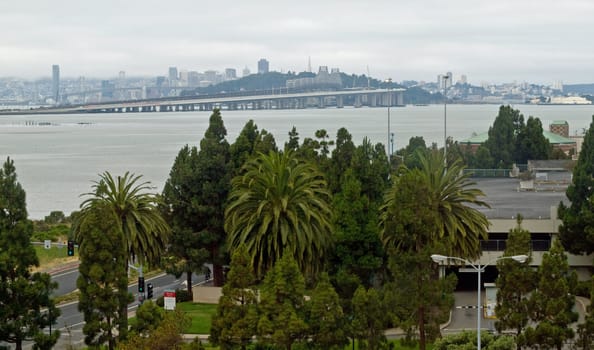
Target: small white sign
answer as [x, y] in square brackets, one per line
[169, 300]
[47, 244]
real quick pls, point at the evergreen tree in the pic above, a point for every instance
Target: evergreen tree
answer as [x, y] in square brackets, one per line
[342, 156]
[213, 184]
[503, 134]
[585, 331]
[326, 319]
[148, 317]
[577, 230]
[243, 147]
[370, 166]
[185, 253]
[282, 306]
[22, 295]
[234, 324]
[135, 213]
[369, 319]
[433, 299]
[515, 282]
[103, 280]
[551, 303]
[531, 143]
[358, 254]
[293, 143]
[427, 206]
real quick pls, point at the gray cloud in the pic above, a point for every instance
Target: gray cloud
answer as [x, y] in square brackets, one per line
[507, 40]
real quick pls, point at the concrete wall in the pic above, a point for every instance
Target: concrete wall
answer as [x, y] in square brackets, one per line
[207, 295]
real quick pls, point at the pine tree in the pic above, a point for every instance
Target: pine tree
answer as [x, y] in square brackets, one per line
[103, 280]
[551, 303]
[515, 282]
[577, 230]
[326, 319]
[282, 306]
[213, 185]
[234, 324]
[22, 295]
[585, 339]
[369, 319]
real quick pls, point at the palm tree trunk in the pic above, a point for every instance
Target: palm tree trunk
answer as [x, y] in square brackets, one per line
[189, 281]
[218, 275]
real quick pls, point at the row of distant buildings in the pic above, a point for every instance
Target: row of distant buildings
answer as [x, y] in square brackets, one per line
[115, 89]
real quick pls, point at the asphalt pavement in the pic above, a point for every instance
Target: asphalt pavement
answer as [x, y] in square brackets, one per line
[71, 321]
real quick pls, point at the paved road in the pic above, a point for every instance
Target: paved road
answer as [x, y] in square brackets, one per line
[71, 321]
[463, 318]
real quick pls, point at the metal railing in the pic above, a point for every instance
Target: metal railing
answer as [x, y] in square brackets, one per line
[498, 245]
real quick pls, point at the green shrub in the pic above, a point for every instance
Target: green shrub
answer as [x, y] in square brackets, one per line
[583, 289]
[182, 295]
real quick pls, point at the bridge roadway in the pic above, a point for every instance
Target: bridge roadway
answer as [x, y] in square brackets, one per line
[318, 99]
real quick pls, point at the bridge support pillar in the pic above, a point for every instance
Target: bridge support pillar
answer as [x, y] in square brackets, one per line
[339, 102]
[372, 100]
[321, 102]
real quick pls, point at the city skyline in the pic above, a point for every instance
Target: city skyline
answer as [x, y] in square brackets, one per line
[535, 41]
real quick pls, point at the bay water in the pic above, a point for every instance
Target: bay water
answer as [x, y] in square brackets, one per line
[58, 156]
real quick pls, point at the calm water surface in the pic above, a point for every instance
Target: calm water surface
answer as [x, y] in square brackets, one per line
[57, 156]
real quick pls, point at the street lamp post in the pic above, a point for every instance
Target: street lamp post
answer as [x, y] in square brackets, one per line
[445, 133]
[389, 102]
[479, 269]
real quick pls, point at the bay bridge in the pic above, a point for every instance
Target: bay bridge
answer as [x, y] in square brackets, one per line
[239, 101]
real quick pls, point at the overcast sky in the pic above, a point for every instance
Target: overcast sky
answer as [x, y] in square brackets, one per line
[489, 41]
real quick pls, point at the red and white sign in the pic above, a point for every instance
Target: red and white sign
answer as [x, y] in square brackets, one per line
[169, 300]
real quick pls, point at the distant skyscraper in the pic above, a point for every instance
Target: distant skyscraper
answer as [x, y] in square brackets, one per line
[56, 83]
[450, 80]
[246, 72]
[263, 66]
[463, 79]
[230, 73]
[172, 73]
[309, 64]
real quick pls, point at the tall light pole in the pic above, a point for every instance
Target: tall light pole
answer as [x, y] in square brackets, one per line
[389, 81]
[445, 132]
[479, 269]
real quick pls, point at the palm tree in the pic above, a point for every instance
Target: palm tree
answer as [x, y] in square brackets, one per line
[144, 231]
[143, 228]
[278, 205]
[428, 208]
[451, 200]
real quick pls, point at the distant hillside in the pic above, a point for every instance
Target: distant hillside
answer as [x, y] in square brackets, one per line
[582, 89]
[275, 80]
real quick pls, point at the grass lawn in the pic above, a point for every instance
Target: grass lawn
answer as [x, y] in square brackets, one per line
[53, 256]
[200, 314]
